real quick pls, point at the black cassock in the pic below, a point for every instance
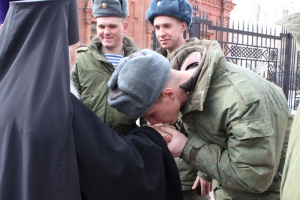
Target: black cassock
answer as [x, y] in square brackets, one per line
[51, 145]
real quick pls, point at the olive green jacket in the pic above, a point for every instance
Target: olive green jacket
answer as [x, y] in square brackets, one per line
[290, 187]
[238, 124]
[90, 76]
[187, 173]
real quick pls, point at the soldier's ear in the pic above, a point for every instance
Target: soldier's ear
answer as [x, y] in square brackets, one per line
[184, 26]
[168, 92]
[125, 26]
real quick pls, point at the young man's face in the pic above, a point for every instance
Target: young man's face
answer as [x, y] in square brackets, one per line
[169, 32]
[163, 111]
[110, 31]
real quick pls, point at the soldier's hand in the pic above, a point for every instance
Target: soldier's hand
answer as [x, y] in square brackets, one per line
[178, 140]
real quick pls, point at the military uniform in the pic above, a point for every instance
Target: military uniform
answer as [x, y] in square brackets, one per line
[90, 76]
[238, 125]
[187, 173]
[290, 187]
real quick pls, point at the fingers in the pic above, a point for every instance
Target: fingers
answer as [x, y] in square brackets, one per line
[175, 140]
[157, 127]
[168, 129]
[167, 138]
[196, 183]
[204, 192]
[165, 135]
[205, 187]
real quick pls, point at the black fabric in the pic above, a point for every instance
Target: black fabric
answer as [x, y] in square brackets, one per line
[3, 9]
[138, 166]
[41, 157]
[73, 33]
[37, 152]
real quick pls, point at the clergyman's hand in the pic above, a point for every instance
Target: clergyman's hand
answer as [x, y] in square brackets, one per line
[178, 140]
[165, 135]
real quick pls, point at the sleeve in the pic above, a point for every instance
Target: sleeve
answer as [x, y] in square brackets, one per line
[204, 176]
[248, 162]
[75, 78]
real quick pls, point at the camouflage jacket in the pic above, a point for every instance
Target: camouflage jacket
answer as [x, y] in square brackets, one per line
[187, 173]
[90, 76]
[290, 188]
[238, 125]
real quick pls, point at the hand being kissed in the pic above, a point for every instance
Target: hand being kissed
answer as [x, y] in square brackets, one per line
[165, 135]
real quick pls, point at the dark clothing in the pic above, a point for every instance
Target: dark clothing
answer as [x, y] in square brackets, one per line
[50, 146]
[111, 167]
[37, 155]
[3, 9]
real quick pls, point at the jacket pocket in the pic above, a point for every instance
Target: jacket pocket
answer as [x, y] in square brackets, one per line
[248, 129]
[244, 87]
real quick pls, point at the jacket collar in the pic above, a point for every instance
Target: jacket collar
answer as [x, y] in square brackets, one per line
[210, 67]
[95, 46]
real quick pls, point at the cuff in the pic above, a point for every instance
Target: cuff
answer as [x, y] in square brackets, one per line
[193, 144]
[204, 176]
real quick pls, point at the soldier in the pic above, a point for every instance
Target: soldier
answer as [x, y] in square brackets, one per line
[238, 122]
[170, 18]
[96, 62]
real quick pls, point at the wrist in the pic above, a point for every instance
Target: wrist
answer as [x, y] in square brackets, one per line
[183, 149]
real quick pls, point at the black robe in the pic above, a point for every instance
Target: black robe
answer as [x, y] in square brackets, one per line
[51, 145]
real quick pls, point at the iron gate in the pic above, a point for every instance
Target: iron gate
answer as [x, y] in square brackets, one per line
[272, 56]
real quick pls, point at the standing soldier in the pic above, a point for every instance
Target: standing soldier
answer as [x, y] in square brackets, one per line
[96, 62]
[170, 18]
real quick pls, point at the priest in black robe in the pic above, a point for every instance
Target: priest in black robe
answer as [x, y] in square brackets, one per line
[51, 145]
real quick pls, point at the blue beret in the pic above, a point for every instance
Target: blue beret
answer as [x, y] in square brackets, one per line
[180, 9]
[137, 82]
[110, 8]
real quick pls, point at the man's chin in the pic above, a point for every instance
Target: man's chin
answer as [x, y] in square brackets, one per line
[106, 43]
[108, 46]
[164, 45]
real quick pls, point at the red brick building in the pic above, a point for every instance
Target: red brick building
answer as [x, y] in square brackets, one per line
[140, 30]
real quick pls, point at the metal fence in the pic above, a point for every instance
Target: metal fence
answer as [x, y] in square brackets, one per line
[273, 56]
